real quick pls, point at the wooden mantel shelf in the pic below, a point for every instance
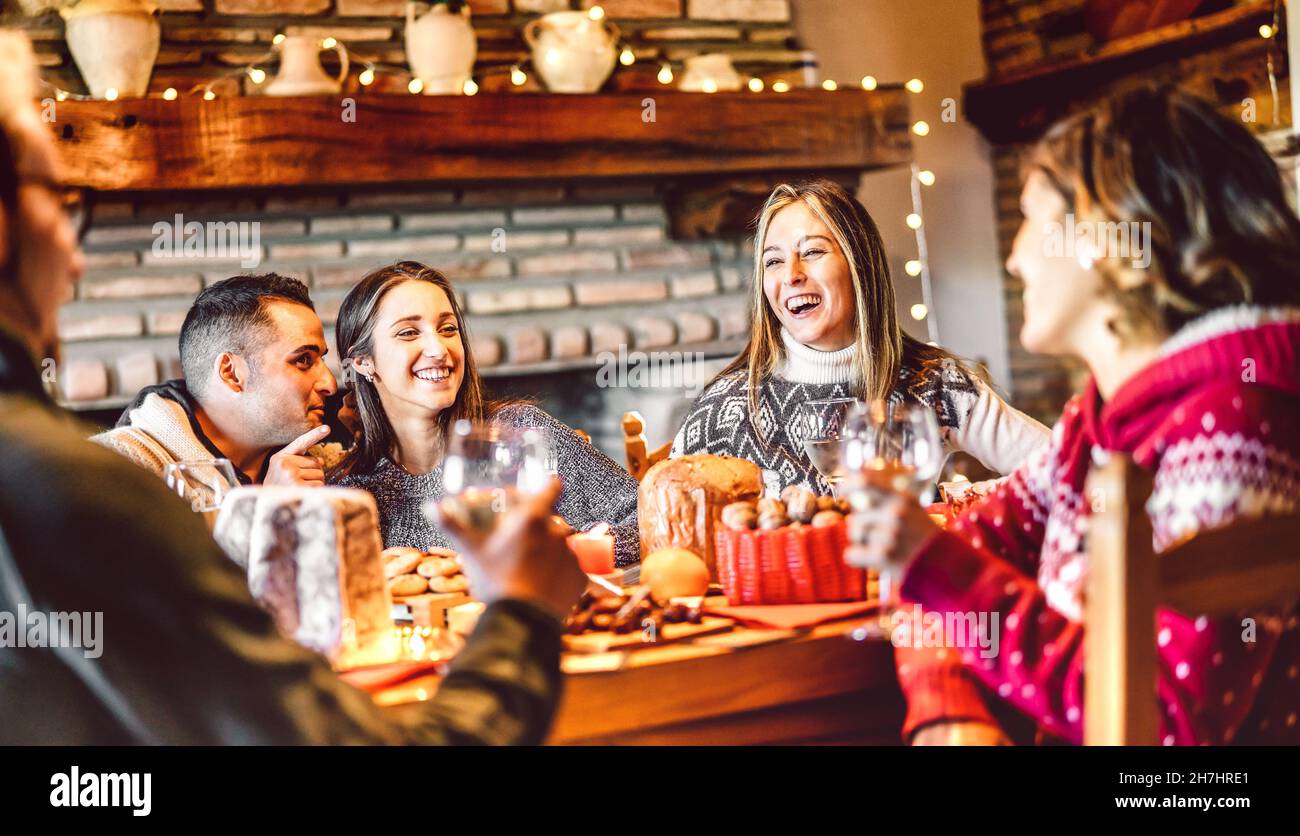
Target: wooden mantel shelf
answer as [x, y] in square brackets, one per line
[259, 142]
[1019, 106]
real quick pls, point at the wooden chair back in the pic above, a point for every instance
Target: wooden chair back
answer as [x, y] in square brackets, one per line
[1253, 563]
[640, 459]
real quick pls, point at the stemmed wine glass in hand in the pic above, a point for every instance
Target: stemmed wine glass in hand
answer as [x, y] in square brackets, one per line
[887, 450]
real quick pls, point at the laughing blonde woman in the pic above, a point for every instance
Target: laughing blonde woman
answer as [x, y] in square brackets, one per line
[824, 326]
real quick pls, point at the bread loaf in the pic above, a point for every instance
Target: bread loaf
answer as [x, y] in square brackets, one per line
[680, 501]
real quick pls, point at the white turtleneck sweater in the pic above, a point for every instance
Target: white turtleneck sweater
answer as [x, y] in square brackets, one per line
[804, 364]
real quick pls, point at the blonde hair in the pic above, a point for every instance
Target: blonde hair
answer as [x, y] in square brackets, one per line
[880, 347]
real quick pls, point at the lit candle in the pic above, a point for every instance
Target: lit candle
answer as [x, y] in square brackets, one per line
[595, 550]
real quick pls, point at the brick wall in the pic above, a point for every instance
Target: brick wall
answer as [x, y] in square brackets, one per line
[202, 39]
[1022, 34]
[551, 276]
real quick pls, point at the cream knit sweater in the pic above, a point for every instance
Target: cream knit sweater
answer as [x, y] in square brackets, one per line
[158, 435]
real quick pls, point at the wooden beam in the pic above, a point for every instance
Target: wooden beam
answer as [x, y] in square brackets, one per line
[262, 142]
[1019, 106]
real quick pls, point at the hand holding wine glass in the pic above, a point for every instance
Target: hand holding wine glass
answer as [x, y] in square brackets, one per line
[891, 453]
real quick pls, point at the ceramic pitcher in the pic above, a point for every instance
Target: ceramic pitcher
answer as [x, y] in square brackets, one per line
[572, 52]
[301, 73]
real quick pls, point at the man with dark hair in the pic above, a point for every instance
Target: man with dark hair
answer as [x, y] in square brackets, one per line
[252, 350]
[189, 658]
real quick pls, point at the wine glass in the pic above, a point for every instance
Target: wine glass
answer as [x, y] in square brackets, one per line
[538, 462]
[889, 446]
[203, 483]
[481, 472]
[823, 422]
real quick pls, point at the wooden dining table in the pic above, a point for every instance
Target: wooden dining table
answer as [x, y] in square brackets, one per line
[750, 685]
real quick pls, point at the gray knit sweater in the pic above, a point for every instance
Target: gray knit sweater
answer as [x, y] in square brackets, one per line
[595, 490]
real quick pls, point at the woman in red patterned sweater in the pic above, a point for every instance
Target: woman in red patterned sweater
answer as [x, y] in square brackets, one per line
[1191, 330]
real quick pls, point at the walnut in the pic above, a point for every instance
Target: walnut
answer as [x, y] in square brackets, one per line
[800, 503]
[740, 516]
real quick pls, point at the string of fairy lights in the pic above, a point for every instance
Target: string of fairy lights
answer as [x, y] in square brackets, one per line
[918, 267]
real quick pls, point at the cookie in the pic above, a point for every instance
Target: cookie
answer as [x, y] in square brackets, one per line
[436, 567]
[402, 561]
[404, 585]
[455, 583]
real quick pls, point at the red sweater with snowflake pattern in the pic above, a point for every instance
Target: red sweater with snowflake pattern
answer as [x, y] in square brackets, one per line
[1217, 419]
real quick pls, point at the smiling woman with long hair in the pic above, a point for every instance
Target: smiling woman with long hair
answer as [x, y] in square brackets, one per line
[404, 345]
[824, 325]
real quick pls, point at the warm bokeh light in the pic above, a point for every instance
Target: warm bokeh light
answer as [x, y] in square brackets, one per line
[921, 128]
[913, 268]
[756, 85]
[915, 85]
[926, 177]
[780, 86]
[914, 221]
[830, 85]
[869, 82]
[170, 94]
[415, 85]
[665, 74]
[920, 311]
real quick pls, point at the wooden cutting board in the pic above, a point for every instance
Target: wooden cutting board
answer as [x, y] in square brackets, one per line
[602, 641]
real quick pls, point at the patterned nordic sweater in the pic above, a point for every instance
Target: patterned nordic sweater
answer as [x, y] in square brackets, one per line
[595, 490]
[971, 416]
[1217, 419]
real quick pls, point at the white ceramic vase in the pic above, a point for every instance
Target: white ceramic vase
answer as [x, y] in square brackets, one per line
[114, 44]
[440, 47]
[572, 52]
